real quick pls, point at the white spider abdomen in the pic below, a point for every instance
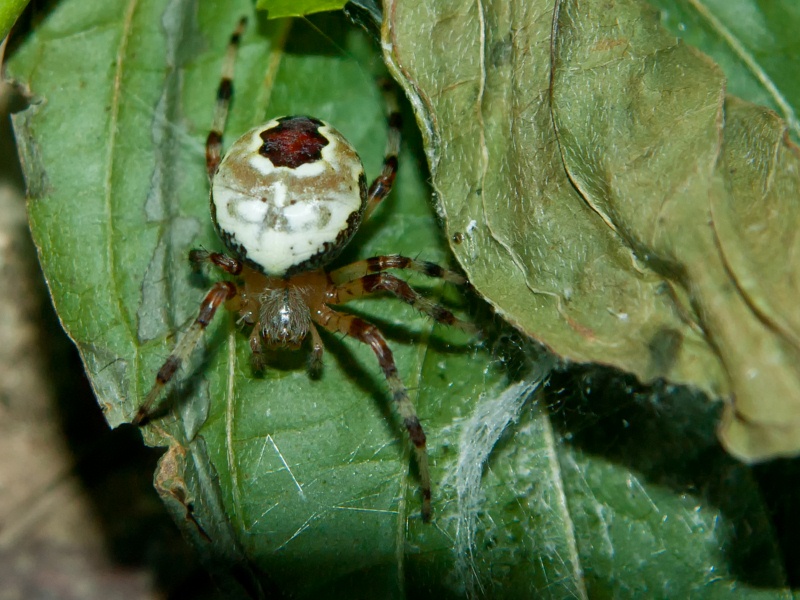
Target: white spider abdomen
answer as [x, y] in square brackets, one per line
[288, 195]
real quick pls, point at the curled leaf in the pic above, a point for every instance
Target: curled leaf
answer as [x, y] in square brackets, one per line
[529, 241]
[645, 139]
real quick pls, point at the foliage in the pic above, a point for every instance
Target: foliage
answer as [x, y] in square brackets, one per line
[306, 486]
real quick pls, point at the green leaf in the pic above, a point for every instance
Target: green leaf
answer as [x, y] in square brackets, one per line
[277, 9]
[306, 487]
[531, 244]
[611, 261]
[756, 233]
[754, 43]
[645, 139]
[10, 10]
[265, 473]
[583, 263]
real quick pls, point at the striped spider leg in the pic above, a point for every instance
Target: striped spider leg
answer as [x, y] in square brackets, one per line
[286, 198]
[221, 291]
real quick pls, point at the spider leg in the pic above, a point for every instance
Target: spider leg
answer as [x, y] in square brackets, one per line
[386, 282]
[367, 333]
[376, 264]
[224, 94]
[317, 349]
[382, 185]
[256, 350]
[223, 261]
[218, 295]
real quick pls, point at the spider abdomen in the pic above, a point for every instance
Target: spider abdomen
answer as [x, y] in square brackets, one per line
[288, 195]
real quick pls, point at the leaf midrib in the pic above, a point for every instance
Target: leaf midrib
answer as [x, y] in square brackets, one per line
[127, 26]
[263, 100]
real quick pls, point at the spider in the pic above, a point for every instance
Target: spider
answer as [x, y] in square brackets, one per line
[285, 200]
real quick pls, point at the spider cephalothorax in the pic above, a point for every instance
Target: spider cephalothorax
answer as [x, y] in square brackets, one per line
[285, 317]
[285, 199]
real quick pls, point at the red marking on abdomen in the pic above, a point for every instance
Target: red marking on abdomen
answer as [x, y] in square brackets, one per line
[295, 141]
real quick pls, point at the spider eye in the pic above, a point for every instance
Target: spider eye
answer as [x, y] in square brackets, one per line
[288, 195]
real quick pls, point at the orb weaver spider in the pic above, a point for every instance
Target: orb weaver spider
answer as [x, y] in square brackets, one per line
[285, 199]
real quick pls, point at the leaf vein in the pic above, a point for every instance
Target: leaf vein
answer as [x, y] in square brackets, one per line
[112, 147]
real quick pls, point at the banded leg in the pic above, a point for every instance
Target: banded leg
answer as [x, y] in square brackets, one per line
[386, 282]
[369, 334]
[382, 185]
[224, 94]
[223, 261]
[218, 295]
[376, 264]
